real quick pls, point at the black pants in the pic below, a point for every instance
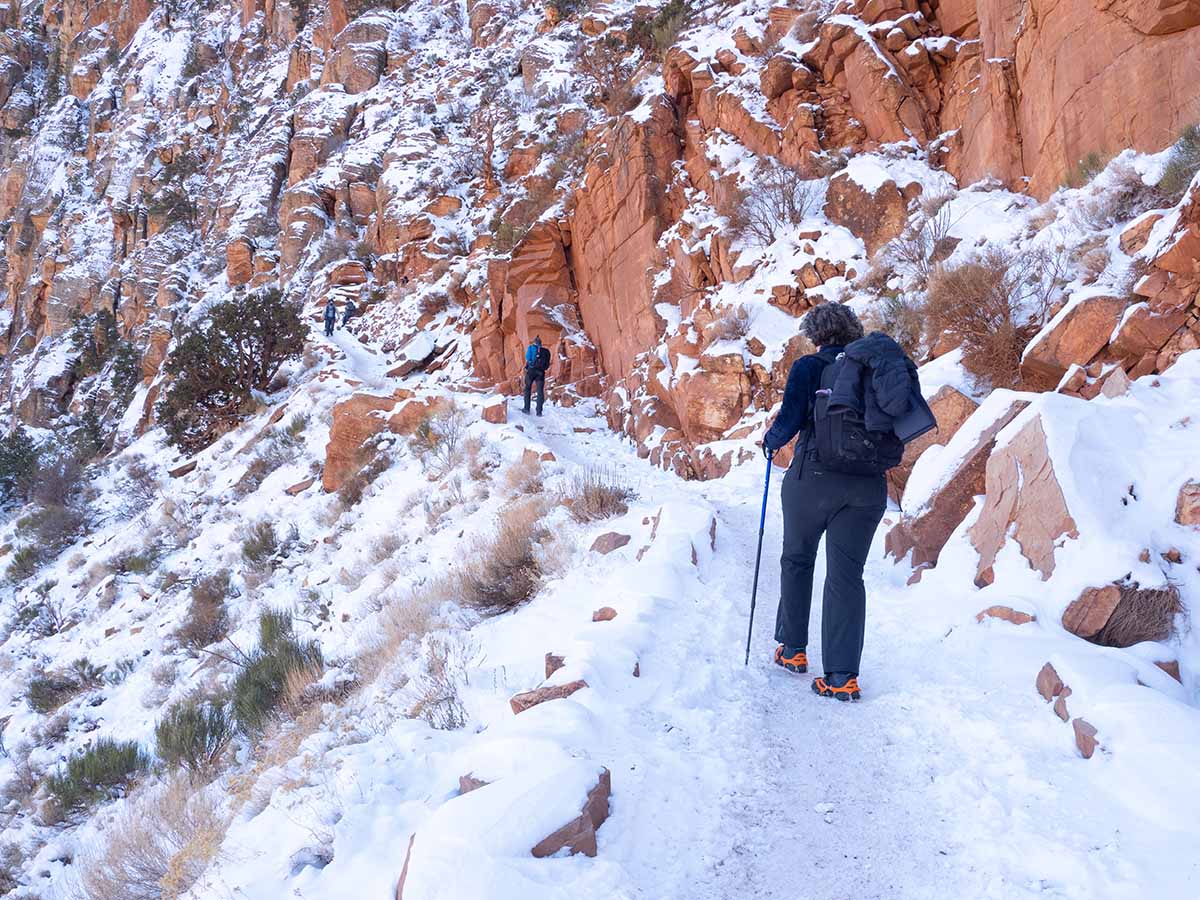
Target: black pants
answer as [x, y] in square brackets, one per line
[538, 378]
[846, 509]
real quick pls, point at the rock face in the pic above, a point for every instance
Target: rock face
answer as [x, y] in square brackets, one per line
[927, 529]
[951, 408]
[1024, 500]
[1112, 61]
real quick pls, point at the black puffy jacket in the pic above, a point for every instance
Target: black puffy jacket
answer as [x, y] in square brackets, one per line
[880, 381]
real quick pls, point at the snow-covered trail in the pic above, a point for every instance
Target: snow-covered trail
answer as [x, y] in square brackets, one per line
[948, 780]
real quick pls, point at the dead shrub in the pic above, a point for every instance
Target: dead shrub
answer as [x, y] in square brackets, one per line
[207, 619]
[1142, 614]
[899, 317]
[1120, 196]
[596, 493]
[436, 688]
[926, 240]
[1091, 258]
[385, 547]
[780, 200]
[731, 324]
[987, 302]
[158, 848]
[503, 572]
[525, 475]
[370, 461]
[606, 64]
[139, 487]
[481, 458]
[437, 440]
[279, 448]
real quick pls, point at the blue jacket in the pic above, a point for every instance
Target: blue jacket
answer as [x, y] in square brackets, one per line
[803, 380]
[330, 313]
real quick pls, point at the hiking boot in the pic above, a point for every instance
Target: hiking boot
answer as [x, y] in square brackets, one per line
[843, 687]
[791, 658]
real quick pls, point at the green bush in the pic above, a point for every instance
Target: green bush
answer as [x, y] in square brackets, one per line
[1086, 169]
[194, 734]
[1182, 165]
[217, 365]
[138, 562]
[18, 459]
[101, 772]
[261, 543]
[262, 684]
[46, 692]
[25, 563]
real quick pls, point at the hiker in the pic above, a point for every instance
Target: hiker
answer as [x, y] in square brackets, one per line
[351, 311]
[854, 403]
[537, 361]
[330, 318]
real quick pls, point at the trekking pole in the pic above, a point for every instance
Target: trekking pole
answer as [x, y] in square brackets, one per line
[762, 524]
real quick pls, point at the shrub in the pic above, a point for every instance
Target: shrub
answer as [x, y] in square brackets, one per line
[1086, 169]
[732, 323]
[260, 543]
[780, 200]
[47, 692]
[18, 459]
[900, 318]
[503, 572]
[983, 301]
[1142, 614]
[158, 848]
[1182, 166]
[278, 449]
[194, 734]
[437, 439]
[51, 528]
[595, 494]
[207, 620]
[660, 31]
[370, 462]
[26, 562]
[524, 476]
[218, 363]
[605, 63]
[139, 562]
[438, 700]
[1120, 196]
[262, 684]
[101, 772]
[11, 862]
[925, 240]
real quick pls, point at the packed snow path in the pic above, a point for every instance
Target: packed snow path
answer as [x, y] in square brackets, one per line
[949, 779]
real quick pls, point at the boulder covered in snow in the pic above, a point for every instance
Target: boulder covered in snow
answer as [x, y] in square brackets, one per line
[951, 407]
[479, 843]
[866, 200]
[1074, 336]
[1187, 504]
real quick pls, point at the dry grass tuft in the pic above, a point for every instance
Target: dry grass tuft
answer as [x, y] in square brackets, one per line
[525, 475]
[436, 688]
[1142, 614]
[595, 494]
[158, 848]
[503, 572]
[732, 323]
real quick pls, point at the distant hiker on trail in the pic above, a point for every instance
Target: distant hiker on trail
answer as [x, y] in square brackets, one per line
[854, 403]
[351, 311]
[330, 318]
[537, 361]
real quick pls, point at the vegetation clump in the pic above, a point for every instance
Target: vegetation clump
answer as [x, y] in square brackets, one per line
[101, 772]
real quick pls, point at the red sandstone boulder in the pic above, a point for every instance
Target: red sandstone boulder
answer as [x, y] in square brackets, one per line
[604, 614]
[1023, 500]
[496, 413]
[1049, 685]
[870, 205]
[1072, 337]
[1090, 611]
[951, 408]
[1187, 504]
[579, 835]
[929, 525]
[554, 663]
[529, 699]
[608, 542]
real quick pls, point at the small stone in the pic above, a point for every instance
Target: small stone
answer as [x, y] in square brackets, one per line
[496, 413]
[1085, 737]
[1049, 685]
[1187, 505]
[529, 699]
[609, 541]
[1060, 705]
[468, 783]
[186, 469]
[1171, 667]
[1007, 613]
[1173, 556]
[637, 669]
[300, 487]
[604, 614]
[553, 663]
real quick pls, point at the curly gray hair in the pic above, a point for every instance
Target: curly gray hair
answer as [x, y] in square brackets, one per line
[831, 323]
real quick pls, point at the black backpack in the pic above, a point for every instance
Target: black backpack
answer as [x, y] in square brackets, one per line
[839, 436]
[543, 360]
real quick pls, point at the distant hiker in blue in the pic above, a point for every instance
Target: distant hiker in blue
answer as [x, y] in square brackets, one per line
[330, 318]
[537, 361]
[351, 311]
